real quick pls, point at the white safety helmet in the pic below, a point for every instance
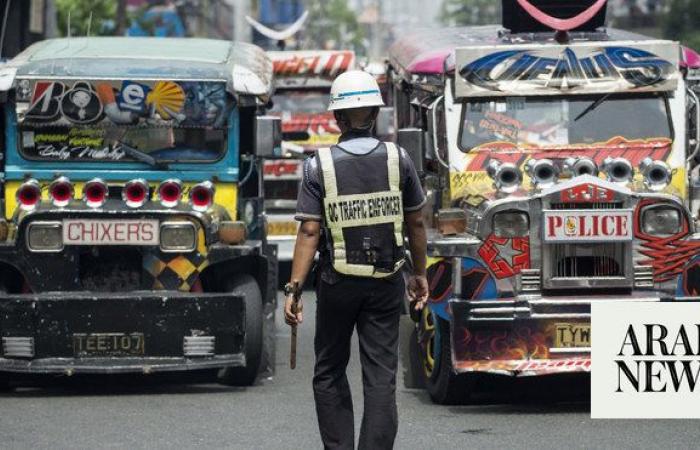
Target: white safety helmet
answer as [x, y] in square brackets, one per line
[354, 89]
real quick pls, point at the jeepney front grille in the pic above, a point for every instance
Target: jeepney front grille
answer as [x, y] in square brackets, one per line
[599, 260]
[105, 269]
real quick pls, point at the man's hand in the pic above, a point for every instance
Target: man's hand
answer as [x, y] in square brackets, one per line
[418, 291]
[289, 317]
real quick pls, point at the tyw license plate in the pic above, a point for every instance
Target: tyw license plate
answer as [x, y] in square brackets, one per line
[568, 335]
[108, 344]
[593, 225]
[110, 232]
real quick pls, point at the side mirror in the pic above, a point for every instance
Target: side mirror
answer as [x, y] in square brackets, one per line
[268, 136]
[385, 123]
[411, 140]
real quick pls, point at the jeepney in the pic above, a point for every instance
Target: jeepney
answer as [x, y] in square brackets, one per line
[132, 236]
[560, 170]
[302, 86]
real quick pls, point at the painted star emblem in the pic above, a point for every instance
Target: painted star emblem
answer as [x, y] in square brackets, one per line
[506, 252]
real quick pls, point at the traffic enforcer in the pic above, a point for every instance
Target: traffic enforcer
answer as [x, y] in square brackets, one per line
[132, 237]
[561, 170]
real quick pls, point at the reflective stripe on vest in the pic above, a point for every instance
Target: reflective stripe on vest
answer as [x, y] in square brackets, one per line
[373, 208]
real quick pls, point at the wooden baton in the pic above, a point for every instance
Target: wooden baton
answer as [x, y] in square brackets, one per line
[295, 309]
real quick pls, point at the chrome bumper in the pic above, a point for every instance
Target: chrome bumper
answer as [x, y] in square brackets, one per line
[285, 246]
[146, 365]
[537, 307]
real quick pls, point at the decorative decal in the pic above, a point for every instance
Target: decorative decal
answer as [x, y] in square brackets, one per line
[666, 254]
[587, 193]
[635, 151]
[283, 169]
[581, 68]
[167, 98]
[205, 104]
[519, 346]
[324, 64]
[470, 182]
[132, 97]
[162, 103]
[44, 105]
[691, 279]
[69, 144]
[506, 257]
[80, 104]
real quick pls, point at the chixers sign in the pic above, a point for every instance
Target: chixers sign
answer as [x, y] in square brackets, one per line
[554, 69]
[646, 360]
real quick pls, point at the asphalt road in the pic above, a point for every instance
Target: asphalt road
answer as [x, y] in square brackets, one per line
[148, 412]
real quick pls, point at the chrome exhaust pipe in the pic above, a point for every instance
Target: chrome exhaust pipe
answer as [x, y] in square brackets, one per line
[657, 174]
[506, 176]
[618, 170]
[581, 165]
[543, 173]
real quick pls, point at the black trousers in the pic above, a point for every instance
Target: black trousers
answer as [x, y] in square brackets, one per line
[373, 306]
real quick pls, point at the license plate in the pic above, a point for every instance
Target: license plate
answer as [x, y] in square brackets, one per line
[568, 335]
[110, 232]
[108, 344]
[282, 228]
[593, 225]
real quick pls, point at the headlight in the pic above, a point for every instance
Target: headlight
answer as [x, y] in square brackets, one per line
[511, 224]
[178, 237]
[661, 220]
[45, 237]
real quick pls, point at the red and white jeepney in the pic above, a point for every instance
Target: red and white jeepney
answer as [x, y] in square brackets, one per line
[302, 86]
[561, 169]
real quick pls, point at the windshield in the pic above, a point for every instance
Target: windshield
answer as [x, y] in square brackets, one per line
[123, 120]
[557, 121]
[306, 101]
[107, 144]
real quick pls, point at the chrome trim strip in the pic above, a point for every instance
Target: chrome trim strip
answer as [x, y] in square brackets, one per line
[153, 364]
[570, 350]
[18, 347]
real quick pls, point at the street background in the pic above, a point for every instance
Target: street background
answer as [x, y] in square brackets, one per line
[278, 413]
[366, 26]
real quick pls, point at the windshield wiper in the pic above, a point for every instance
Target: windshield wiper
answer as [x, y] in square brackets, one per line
[141, 156]
[592, 106]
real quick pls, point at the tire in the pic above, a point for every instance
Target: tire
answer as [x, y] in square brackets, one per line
[444, 386]
[246, 286]
[5, 385]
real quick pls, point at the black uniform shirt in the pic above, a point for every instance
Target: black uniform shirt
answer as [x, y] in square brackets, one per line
[310, 199]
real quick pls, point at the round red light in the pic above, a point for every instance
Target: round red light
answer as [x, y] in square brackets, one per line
[135, 193]
[202, 196]
[29, 194]
[95, 193]
[61, 191]
[170, 192]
